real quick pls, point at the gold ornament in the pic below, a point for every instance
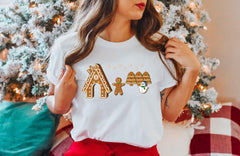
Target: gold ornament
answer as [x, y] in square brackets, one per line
[201, 87]
[206, 106]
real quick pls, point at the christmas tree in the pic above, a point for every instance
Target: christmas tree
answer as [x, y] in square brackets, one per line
[29, 28]
[183, 19]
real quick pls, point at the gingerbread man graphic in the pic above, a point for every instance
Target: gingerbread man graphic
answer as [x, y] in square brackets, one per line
[118, 86]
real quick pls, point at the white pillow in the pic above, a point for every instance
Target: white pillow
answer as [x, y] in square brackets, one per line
[176, 140]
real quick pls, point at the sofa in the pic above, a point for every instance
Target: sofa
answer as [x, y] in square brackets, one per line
[220, 136]
[25, 132]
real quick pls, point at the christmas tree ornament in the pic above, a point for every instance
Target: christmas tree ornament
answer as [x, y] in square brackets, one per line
[96, 76]
[118, 85]
[143, 88]
[206, 106]
[201, 87]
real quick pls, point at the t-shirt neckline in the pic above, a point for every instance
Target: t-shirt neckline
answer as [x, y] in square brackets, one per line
[104, 42]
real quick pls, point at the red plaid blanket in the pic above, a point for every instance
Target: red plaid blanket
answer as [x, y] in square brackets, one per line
[221, 137]
[62, 141]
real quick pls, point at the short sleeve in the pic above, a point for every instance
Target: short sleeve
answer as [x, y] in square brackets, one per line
[167, 80]
[56, 63]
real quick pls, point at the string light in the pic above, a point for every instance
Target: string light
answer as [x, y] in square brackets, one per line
[31, 35]
[71, 5]
[17, 90]
[204, 27]
[198, 78]
[192, 5]
[206, 69]
[11, 36]
[58, 19]
[1, 35]
[183, 37]
[44, 81]
[193, 24]
[32, 5]
[158, 7]
[21, 74]
[37, 65]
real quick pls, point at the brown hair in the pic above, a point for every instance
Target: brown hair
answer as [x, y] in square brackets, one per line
[95, 15]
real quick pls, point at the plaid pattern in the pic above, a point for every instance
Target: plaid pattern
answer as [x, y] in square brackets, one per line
[62, 141]
[221, 137]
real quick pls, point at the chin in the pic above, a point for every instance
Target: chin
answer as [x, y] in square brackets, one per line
[137, 17]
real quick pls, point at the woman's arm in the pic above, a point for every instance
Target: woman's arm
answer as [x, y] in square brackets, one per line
[175, 98]
[60, 96]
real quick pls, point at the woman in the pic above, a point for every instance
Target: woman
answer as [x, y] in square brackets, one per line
[113, 76]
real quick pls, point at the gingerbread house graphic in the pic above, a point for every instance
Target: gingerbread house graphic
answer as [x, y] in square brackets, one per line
[96, 76]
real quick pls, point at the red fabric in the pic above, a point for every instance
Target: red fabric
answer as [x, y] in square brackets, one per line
[60, 147]
[91, 147]
[213, 140]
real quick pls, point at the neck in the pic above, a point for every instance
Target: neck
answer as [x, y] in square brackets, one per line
[118, 30]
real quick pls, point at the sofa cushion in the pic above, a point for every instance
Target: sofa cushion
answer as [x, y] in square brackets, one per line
[222, 134]
[62, 141]
[23, 131]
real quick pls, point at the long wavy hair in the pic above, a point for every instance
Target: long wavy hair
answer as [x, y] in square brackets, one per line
[94, 16]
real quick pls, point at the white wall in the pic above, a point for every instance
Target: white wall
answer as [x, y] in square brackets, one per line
[223, 38]
[5, 3]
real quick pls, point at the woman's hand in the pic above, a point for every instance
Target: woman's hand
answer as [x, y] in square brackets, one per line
[65, 90]
[180, 52]
[180, 94]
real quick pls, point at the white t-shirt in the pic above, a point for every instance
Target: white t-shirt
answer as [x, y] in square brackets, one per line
[134, 118]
